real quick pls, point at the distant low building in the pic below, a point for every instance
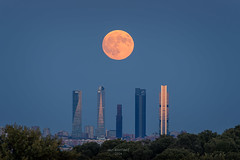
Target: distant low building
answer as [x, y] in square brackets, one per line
[89, 130]
[66, 147]
[84, 136]
[76, 142]
[111, 134]
[183, 131]
[152, 137]
[35, 128]
[46, 132]
[174, 134]
[62, 134]
[128, 137]
[1, 130]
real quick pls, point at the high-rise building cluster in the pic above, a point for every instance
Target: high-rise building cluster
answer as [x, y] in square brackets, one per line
[140, 116]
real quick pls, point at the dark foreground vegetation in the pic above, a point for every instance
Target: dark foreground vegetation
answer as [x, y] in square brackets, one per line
[21, 143]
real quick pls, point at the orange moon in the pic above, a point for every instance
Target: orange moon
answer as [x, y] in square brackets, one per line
[118, 44]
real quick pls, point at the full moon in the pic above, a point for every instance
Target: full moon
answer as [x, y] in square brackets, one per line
[118, 44]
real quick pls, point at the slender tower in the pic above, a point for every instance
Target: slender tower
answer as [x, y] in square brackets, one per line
[77, 114]
[100, 131]
[119, 121]
[140, 113]
[163, 111]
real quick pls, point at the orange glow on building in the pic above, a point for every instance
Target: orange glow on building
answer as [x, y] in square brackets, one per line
[163, 111]
[100, 130]
[100, 114]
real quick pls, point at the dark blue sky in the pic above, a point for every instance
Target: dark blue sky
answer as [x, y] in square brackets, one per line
[49, 48]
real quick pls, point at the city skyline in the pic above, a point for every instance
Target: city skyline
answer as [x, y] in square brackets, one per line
[50, 48]
[140, 115]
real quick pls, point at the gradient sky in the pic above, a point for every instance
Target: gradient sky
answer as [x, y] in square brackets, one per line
[50, 48]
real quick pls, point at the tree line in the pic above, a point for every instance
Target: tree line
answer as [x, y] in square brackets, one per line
[21, 143]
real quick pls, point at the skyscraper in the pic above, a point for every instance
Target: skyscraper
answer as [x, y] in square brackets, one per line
[163, 111]
[100, 131]
[119, 121]
[77, 114]
[140, 112]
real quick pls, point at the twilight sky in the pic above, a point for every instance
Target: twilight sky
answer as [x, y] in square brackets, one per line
[49, 48]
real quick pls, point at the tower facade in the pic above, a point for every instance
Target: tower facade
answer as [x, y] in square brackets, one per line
[77, 114]
[100, 131]
[163, 111]
[119, 121]
[140, 112]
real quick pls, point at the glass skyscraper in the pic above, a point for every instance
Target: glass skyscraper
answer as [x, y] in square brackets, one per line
[100, 131]
[119, 121]
[140, 112]
[163, 111]
[77, 114]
